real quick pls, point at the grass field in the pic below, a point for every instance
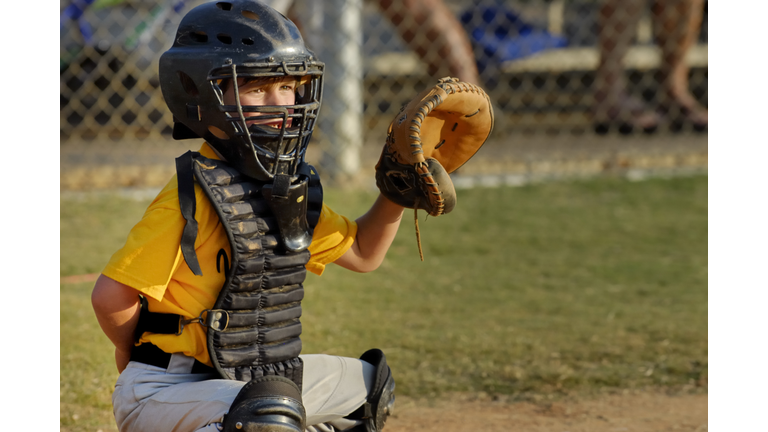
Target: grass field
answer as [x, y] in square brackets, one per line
[539, 292]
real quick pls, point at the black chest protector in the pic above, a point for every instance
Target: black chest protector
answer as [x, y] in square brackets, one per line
[253, 329]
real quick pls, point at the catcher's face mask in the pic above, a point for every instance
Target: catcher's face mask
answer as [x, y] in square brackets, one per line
[226, 53]
[273, 115]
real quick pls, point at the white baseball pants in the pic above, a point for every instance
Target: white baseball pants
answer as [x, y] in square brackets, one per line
[149, 398]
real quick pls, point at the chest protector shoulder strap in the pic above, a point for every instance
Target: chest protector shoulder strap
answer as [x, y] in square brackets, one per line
[254, 326]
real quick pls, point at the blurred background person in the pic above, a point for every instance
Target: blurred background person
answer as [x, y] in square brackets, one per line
[435, 34]
[676, 26]
[429, 28]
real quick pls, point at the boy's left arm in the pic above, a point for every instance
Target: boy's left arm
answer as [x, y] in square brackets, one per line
[376, 230]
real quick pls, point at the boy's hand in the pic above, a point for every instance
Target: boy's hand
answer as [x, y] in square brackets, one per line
[432, 136]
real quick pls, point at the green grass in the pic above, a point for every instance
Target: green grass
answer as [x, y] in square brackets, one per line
[92, 229]
[88, 371]
[540, 291]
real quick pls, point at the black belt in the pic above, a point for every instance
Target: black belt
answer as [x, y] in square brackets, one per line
[150, 354]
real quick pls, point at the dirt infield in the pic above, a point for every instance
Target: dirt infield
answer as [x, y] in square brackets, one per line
[637, 412]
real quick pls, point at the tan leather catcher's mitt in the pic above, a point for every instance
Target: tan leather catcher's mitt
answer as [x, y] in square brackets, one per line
[432, 136]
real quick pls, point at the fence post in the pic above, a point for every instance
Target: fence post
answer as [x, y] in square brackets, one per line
[333, 29]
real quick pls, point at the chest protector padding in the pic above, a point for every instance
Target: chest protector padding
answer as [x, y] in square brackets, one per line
[254, 327]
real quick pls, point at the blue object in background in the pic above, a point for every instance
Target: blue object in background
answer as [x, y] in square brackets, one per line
[74, 11]
[503, 36]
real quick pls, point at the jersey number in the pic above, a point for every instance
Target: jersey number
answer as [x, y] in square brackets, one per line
[222, 255]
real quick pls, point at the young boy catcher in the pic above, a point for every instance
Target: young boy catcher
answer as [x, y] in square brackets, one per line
[203, 302]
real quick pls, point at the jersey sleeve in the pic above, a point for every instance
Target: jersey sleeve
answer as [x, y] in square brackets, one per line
[333, 236]
[151, 260]
[151, 252]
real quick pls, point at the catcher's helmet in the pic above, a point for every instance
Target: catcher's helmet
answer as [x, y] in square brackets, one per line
[218, 42]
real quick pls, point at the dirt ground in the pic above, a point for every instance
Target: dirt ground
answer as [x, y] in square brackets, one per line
[638, 412]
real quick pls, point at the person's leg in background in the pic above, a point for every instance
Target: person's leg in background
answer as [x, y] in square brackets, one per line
[677, 25]
[613, 105]
[432, 31]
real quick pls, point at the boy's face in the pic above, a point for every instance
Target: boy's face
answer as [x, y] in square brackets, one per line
[281, 91]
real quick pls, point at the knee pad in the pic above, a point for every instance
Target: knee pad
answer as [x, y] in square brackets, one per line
[381, 399]
[267, 404]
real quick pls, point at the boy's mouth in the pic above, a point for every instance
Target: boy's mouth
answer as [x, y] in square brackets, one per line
[275, 124]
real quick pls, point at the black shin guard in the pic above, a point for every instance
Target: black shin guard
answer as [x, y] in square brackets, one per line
[381, 400]
[267, 404]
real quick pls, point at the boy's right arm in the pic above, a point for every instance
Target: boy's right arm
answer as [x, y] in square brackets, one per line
[117, 308]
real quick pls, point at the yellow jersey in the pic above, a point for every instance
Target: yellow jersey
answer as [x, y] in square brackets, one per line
[152, 263]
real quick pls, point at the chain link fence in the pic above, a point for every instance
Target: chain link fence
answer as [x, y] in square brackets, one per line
[578, 86]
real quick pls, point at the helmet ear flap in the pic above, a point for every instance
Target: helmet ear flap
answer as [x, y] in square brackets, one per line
[181, 131]
[188, 84]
